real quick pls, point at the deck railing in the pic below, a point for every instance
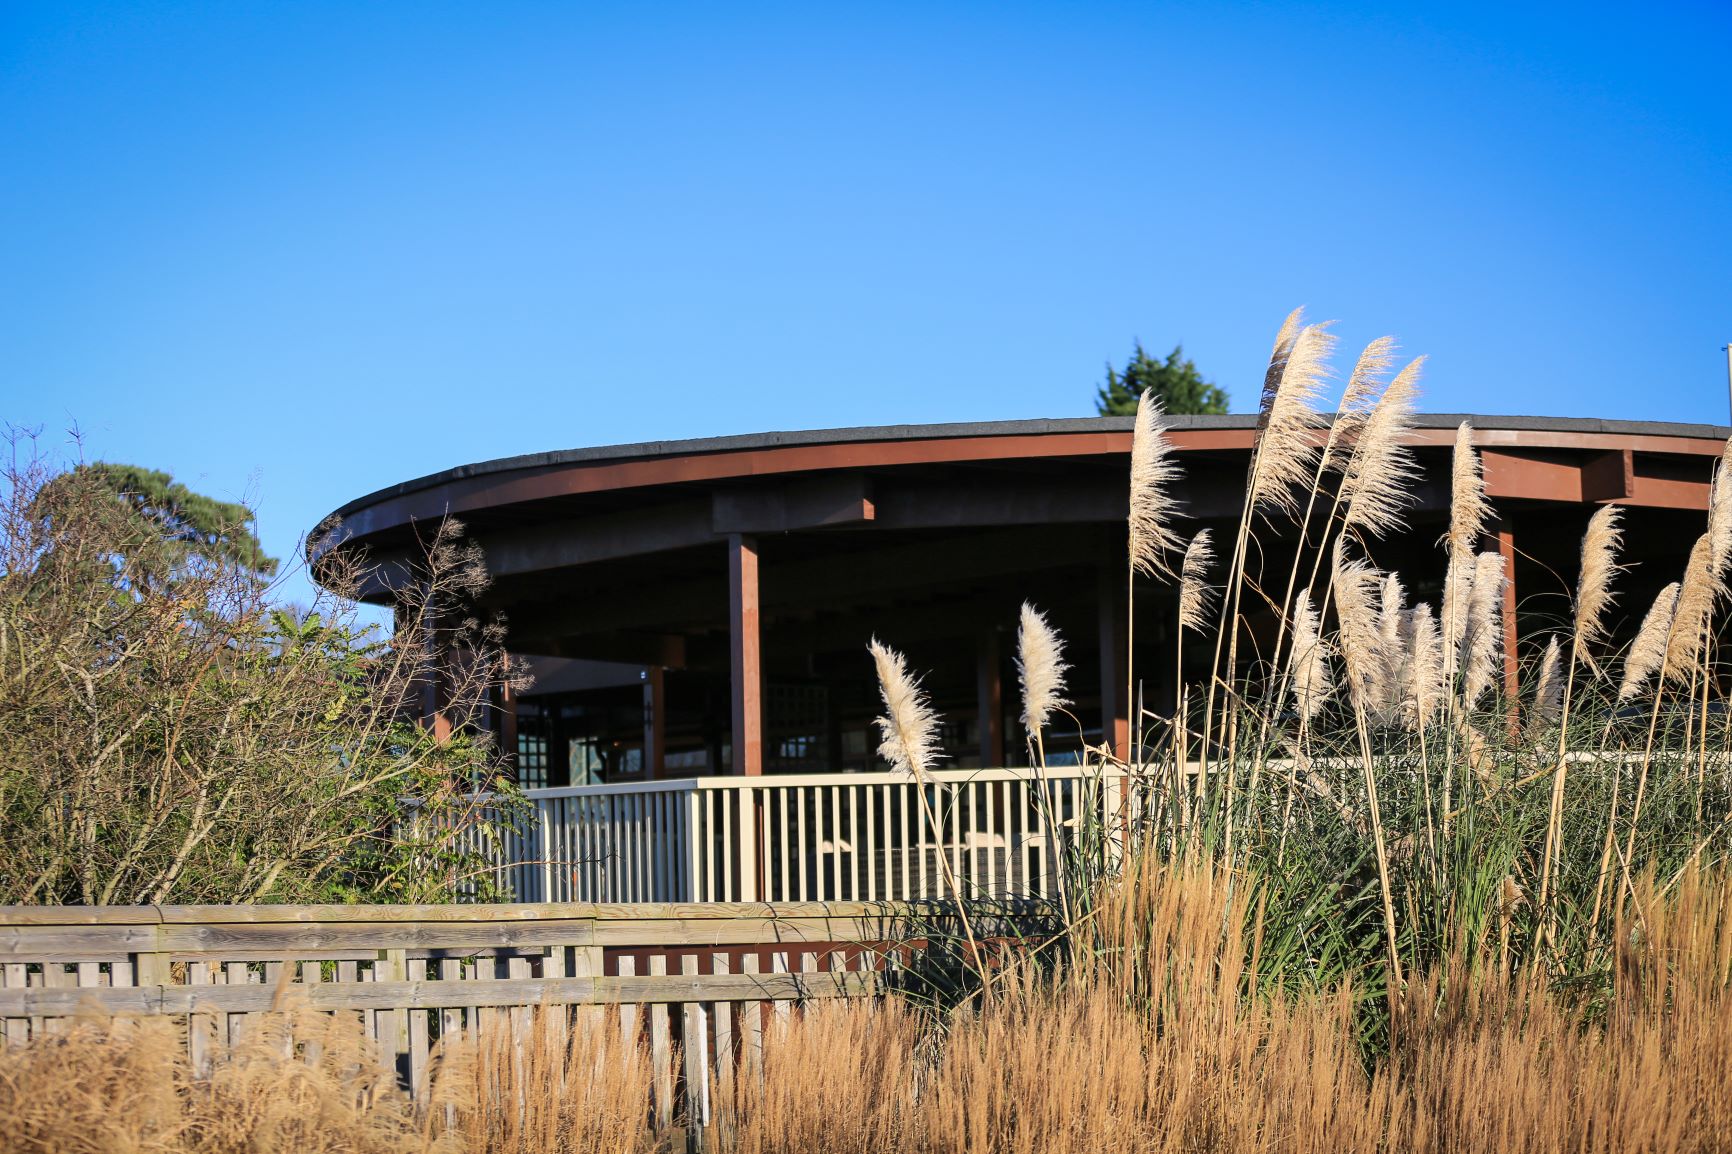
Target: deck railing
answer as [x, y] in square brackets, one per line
[816, 837]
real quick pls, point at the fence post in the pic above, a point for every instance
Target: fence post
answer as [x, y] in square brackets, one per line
[394, 1028]
[544, 818]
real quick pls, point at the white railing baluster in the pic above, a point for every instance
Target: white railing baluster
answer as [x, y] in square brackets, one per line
[798, 796]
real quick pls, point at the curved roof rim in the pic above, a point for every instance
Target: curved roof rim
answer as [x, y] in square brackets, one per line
[854, 434]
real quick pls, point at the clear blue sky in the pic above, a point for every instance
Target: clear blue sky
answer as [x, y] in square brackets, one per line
[295, 253]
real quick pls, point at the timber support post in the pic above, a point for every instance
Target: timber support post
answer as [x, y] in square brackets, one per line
[746, 684]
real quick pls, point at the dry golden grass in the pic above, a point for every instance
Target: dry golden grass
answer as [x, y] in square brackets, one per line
[1159, 1039]
[127, 1086]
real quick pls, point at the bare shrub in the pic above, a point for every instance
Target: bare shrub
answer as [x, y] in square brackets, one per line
[174, 733]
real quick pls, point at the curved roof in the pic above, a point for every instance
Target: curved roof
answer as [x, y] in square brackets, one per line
[1536, 427]
[545, 512]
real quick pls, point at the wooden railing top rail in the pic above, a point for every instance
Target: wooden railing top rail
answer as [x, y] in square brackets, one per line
[216, 933]
[489, 913]
[807, 780]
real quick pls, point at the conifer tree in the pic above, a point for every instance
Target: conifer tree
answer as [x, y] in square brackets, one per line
[1176, 383]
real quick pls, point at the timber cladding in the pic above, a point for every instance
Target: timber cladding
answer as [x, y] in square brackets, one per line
[701, 981]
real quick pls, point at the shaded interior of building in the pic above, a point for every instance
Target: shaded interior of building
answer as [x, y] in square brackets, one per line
[636, 656]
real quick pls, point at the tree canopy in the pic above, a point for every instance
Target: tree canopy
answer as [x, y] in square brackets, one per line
[189, 523]
[173, 734]
[1176, 383]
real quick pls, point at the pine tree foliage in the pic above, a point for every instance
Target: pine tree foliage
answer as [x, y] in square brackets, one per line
[1176, 383]
[191, 524]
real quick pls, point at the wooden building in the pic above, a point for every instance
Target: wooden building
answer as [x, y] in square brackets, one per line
[702, 607]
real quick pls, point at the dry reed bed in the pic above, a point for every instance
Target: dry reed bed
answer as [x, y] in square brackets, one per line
[1163, 1041]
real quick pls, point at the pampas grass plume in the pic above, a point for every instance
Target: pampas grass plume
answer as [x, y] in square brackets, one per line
[1468, 508]
[1648, 652]
[1153, 473]
[1359, 398]
[1378, 486]
[1457, 592]
[1041, 666]
[1308, 660]
[1696, 596]
[1549, 690]
[1278, 356]
[1286, 453]
[1720, 512]
[909, 727]
[1357, 590]
[1195, 593]
[1594, 586]
[1423, 645]
[1484, 612]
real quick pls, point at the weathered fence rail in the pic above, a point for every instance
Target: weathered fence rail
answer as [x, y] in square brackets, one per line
[699, 980]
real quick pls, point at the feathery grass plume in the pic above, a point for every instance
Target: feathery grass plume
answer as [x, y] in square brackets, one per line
[1468, 508]
[1378, 484]
[1720, 511]
[1391, 604]
[1697, 593]
[1483, 643]
[1359, 398]
[1549, 690]
[1457, 592]
[1423, 684]
[1041, 666]
[1308, 660]
[909, 727]
[1391, 614]
[1153, 473]
[1594, 587]
[1278, 356]
[1358, 589]
[1648, 652]
[1195, 593]
[1285, 456]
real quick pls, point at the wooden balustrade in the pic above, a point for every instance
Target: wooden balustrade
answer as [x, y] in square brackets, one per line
[813, 837]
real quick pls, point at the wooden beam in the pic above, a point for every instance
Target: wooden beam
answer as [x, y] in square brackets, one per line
[1605, 476]
[746, 656]
[825, 501]
[842, 575]
[668, 650]
[1609, 476]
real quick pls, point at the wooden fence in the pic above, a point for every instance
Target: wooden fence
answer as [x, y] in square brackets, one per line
[699, 980]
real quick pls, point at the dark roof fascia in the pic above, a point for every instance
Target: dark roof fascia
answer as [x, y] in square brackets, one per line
[748, 441]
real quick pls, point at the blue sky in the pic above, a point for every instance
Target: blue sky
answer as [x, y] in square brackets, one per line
[295, 253]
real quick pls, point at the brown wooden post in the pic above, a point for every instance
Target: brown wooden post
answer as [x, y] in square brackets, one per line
[654, 721]
[1115, 648]
[989, 692]
[508, 722]
[1511, 678]
[435, 693]
[746, 686]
